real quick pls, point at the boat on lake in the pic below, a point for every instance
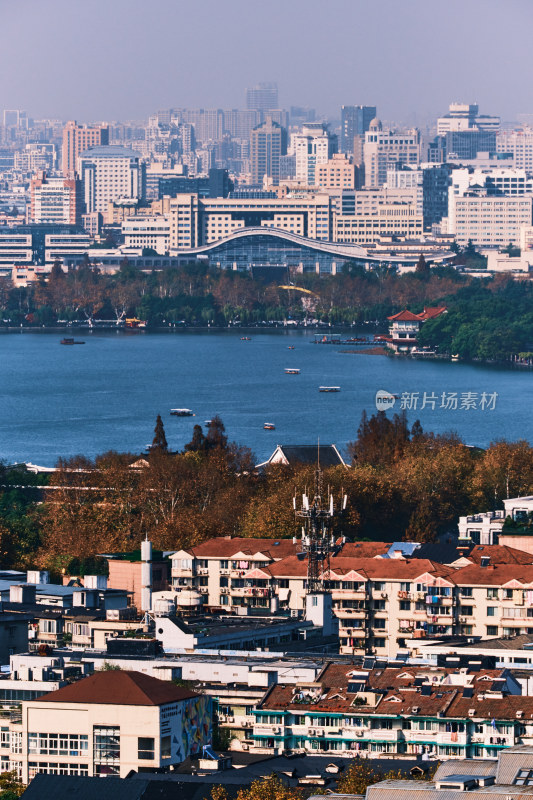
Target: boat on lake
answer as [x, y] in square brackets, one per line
[291, 347]
[70, 341]
[269, 426]
[246, 338]
[292, 371]
[329, 388]
[181, 412]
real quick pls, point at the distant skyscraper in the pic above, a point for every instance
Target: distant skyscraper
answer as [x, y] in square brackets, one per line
[76, 139]
[466, 117]
[262, 97]
[314, 145]
[15, 118]
[355, 121]
[268, 142]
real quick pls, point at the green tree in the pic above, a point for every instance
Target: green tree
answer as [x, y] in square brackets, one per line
[159, 442]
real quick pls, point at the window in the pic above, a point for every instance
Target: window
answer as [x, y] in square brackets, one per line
[165, 747]
[524, 777]
[492, 630]
[491, 611]
[106, 747]
[492, 594]
[146, 748]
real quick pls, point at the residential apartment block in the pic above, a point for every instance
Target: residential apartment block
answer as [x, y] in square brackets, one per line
[404, 711]
[383, 598]
[313, 146]
[55, 200]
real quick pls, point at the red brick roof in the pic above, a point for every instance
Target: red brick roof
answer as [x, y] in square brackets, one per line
[120, 688]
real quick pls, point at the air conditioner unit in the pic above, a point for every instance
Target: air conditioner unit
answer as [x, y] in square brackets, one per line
[320, 733]
[312, 732]
[230, 719]
[359, 733]
[276, 730]
[245, 746]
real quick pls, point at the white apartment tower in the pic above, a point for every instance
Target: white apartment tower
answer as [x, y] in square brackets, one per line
[313, 146]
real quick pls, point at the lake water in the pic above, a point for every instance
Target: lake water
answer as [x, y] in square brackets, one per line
[59, 401]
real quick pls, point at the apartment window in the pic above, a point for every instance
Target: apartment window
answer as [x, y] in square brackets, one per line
[405, 605]
[466, 591]
[146, 748]
[491, 611]
[492, 630]
[379, 642]
[379, 586]
[492, 594]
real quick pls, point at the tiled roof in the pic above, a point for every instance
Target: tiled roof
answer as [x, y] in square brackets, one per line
[405, 316]
[499, 554]
[494, 575]
[119, 687]
[431, 313]
[226, 547]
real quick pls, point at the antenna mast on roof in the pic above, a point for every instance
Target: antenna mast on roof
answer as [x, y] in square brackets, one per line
[317, 539]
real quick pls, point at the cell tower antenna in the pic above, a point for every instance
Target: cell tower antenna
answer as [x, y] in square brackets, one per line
[318, 540]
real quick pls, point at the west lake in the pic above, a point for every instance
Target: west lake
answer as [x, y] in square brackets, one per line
[104, 395]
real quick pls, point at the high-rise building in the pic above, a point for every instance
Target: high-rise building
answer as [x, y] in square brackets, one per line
[15, 118]
[386, 148]
[268, 142]
[77, 139]
[314, 145]
[464, 117]
[262, 97]
[110, 173]
[355, 121]
[56, 200]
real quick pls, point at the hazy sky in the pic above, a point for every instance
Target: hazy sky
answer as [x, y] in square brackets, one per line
[123, 59]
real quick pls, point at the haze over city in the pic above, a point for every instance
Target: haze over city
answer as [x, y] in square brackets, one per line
[124, 59]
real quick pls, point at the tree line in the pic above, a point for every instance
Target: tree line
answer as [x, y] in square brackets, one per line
[197, 294]
[404, 483]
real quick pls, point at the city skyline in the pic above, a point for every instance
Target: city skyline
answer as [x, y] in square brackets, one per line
[206, 56]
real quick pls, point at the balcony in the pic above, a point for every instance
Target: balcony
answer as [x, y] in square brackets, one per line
[453, 738]
[250, 591]
[345, 633]
[183, 572]
[385, 735]
[351, 613]
[348, 594]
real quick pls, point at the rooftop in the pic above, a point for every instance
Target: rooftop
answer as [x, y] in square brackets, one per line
[119, 687]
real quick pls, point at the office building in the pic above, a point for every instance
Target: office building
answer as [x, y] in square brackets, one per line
[463, 117]
[465, 145]
[520, 145]
[336, 173]
[110, 173]
[430, 183]
[262, 97]
[55, 200]
[197, 221]
[313, 146]
[35, 157]
[109, 723]
[355, 121]
[77, 139]
[268, 142]
[489, 206]
[384, 148]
